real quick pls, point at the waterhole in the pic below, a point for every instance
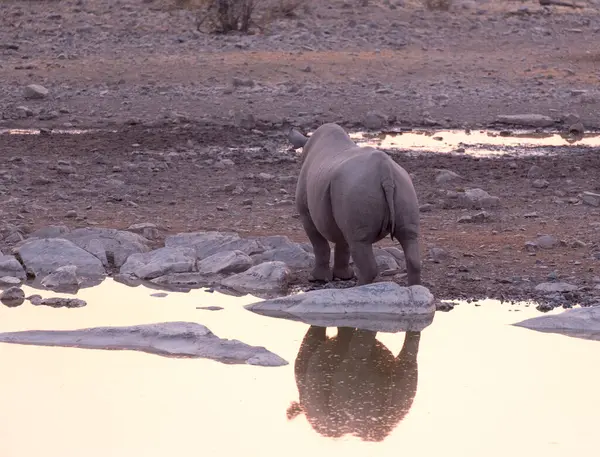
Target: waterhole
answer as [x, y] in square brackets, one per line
[470, 384]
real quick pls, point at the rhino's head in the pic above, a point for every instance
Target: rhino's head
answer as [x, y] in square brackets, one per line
[296, 138]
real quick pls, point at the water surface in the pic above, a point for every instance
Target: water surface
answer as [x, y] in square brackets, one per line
[484, 387]
[477, 142]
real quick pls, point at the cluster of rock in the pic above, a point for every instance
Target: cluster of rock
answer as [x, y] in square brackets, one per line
[64, 260]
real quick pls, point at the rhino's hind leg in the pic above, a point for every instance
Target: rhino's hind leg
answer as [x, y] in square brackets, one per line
[341, 262]
[322, 270]
[410, 246]
[364, 259]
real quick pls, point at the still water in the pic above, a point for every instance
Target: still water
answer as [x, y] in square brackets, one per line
[481, 387]
[477, 142]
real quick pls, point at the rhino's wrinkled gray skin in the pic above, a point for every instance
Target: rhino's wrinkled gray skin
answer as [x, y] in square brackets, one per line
[352, 384]
[353, 197]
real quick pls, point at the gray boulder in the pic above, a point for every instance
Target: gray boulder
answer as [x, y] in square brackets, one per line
[170, 339]
[209, 243]
[477, 199]
[160, 262]
[264, 278]
[44, 256]
[577, 322]
[111, 246]
[64, 279]
[281, 249]
[225, 262]
[382, 306]
[10, 266]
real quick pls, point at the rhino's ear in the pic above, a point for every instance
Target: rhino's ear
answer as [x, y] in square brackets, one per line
[296, 138]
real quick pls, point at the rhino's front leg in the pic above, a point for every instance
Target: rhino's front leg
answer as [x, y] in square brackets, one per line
[341, 261]
[322, 270]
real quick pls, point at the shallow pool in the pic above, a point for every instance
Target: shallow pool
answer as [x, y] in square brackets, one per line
[481, 387]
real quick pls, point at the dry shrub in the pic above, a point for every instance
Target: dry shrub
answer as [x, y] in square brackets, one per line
[287, 8]
[223, 16]
[438, 5]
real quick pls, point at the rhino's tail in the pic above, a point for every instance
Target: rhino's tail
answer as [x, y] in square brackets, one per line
[389, 187]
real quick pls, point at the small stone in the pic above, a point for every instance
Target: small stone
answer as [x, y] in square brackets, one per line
[146, 229]
[576, 129]
[444, 306]
[447, 176]
[35, 299]
[571, 119]
[426, 207]
[540, 184]
[465, 220]
[71, 214]
[544, 307]
[35, 92]
[546, 242]
[244, 120]
[247, 202]
[13, 296]
[531, 215]
[57, 302]
[535, 172]
[591, 199]
[265, 177]
[242, 82]
[375, 121]
[438, 255]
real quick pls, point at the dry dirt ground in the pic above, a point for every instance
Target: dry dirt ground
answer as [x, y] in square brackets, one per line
[174, 102]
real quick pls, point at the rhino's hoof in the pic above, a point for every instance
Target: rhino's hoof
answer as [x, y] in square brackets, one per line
[344, 274]
[320, 275]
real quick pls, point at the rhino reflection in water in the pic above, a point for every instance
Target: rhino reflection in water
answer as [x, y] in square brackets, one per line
[353, 384]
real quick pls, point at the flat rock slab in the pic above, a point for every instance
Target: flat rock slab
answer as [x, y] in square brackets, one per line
[529, 120]
[169, 339]
[382, 306]
[578, 322]
[44, 256]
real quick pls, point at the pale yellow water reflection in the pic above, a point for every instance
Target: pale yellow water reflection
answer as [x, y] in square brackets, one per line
[484, 387]
[475, 141]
